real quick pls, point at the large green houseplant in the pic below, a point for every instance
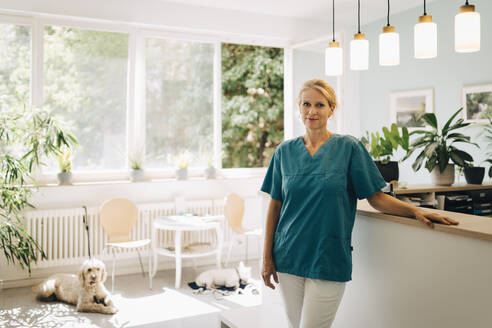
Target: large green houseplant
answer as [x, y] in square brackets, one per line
[439, 147]
[381, 148]
[27, 136]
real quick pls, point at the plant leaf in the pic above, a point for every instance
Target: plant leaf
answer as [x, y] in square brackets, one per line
[430, 118]
[446, 126]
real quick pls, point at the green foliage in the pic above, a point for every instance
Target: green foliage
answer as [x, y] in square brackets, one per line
[488, 136]
[439, 146]
[252, 104]
[136, 160]
[381, 148]
[26, 137]
[65, 161]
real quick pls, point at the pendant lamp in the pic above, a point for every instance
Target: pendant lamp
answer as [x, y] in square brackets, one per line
[334, 54]
[389, 45]
[467, 29]
[425, 37]
[359, 48]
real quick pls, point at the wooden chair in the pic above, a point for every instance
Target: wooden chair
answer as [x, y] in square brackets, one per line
[234, 212]
[118, 217]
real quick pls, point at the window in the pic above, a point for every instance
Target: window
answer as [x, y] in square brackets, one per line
[92, 79]
[15, 66]
[252, 104]
[179, 102]
[85, 83]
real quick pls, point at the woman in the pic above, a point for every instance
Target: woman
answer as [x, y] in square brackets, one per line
[314, 182]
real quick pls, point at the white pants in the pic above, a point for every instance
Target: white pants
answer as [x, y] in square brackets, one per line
[310, 302]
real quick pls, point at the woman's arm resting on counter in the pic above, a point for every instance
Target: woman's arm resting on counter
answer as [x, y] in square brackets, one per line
[390, 205]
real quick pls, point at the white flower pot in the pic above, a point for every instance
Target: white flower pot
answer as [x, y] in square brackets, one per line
[136, 175]
[64, 178]
[210, 173]
[446, 178]
[182, 174]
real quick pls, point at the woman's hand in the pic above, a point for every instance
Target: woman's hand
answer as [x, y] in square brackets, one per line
[267, 271]
[428, 217]
[391, 205]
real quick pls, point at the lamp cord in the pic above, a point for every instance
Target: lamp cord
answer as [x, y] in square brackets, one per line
[425, 13]
[466, 2]
[358, 15]
[388, 13]
[333, 19]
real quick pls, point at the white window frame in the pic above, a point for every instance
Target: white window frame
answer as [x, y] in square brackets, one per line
[137, 33]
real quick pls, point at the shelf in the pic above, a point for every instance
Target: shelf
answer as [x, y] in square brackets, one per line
[421, 188]
[189, 251]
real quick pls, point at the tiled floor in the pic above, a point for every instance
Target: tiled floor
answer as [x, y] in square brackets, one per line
[163, 306]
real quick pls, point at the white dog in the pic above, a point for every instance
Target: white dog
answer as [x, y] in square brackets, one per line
[85, 290]
[224, 277]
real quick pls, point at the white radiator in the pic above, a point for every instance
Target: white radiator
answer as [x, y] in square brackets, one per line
[62, 236]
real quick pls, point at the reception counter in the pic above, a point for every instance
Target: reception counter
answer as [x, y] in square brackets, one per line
[408, 275]
[472, 226]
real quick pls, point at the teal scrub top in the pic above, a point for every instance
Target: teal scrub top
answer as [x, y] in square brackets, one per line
[319, 200]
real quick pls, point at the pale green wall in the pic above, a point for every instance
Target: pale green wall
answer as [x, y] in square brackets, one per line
[447, 73]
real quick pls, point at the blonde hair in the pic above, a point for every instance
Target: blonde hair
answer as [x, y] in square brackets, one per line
[321, 86]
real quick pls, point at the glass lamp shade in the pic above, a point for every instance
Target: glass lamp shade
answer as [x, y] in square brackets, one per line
[359, 53]
[389, 47]
[425, 38]
[334, 60]
[467, 30]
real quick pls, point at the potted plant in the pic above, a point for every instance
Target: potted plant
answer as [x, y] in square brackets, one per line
[210, 172]
[183, 161]
[381, 149]
[26, 136]
[136, 170]
[438, 148]
[473, 174]
[65, 164]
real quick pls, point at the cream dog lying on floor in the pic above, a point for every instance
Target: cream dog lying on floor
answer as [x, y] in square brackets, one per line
[85, 290]
[224, 277]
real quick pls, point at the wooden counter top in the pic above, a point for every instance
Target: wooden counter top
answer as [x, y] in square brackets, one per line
[417, 188]
[472, 226]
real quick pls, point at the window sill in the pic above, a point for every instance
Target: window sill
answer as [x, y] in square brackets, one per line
[154, 177]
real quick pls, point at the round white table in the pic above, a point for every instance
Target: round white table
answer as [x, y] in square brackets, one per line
[185, 223]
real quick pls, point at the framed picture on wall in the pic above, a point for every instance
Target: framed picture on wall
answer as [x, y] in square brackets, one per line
[405, 106]
[477, 103]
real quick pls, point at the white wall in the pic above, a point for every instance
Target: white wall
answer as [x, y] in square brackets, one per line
[308, 64]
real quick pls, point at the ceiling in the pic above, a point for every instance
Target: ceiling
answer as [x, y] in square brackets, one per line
[319, 10]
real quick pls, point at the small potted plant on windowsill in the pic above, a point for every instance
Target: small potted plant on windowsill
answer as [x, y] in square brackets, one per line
[183, 161]
[136, 170]
[210, 171]
[381, 149]
[438, 149]
[65, 164]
